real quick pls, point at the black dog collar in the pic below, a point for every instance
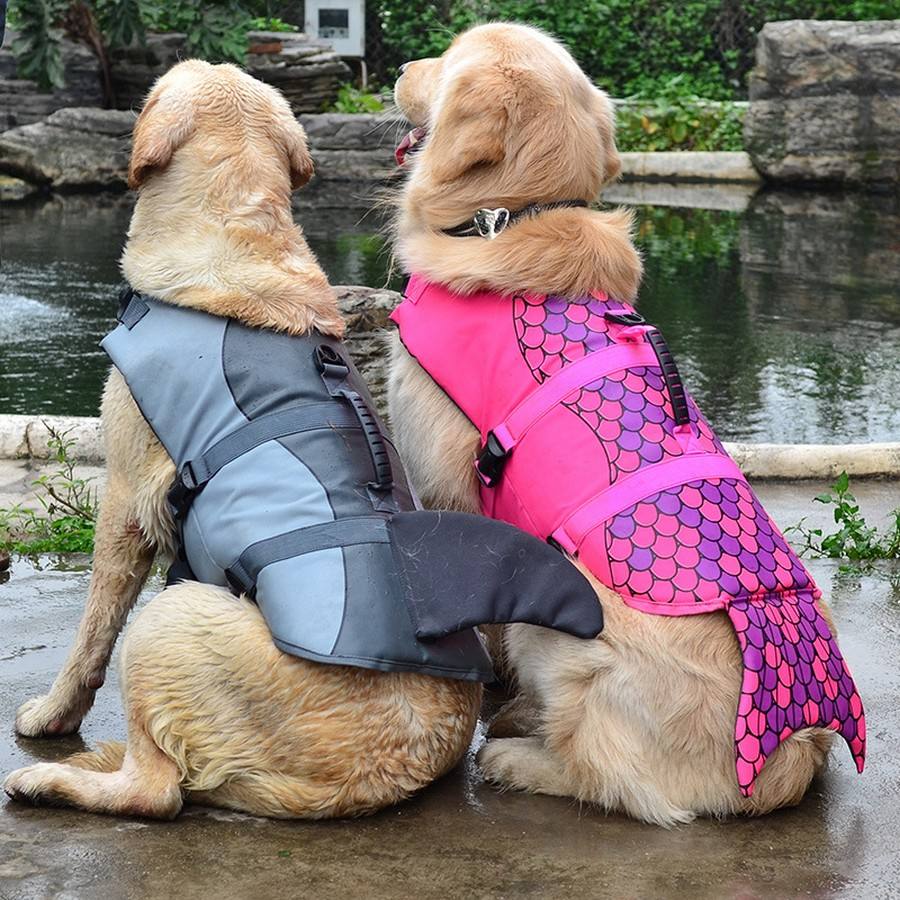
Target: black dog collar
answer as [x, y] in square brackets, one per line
[488, 223]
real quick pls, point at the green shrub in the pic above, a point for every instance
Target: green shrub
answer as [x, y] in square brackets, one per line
[37, 47]
[628, 46]
[263, 23]
[64, 522]
[351, 99]
[674, 121]
[854, 538]
[216, 32]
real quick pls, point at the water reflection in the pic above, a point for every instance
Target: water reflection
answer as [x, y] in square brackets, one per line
[784, 316]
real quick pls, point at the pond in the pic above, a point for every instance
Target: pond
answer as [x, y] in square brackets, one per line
[784, 317]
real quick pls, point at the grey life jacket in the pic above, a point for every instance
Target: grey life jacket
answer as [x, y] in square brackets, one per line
[289, 491]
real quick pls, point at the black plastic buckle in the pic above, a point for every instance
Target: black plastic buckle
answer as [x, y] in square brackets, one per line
[181, 494]
[491, 461]
[625, 318]
[239, 581]
[329, 362]
[125, 296]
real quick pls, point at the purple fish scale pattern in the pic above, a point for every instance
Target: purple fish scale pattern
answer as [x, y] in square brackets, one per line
[696, 542]
[702, 542]
[794, 677]
[629, 411]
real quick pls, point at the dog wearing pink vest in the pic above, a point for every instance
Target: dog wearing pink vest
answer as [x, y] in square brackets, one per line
[716, 686]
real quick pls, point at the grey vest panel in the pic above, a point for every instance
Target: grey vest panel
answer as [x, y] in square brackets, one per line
[198, 378]
[289, 491]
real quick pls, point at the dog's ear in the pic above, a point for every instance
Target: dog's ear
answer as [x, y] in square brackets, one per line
[293, 137]
[471, 126]
[165, 123]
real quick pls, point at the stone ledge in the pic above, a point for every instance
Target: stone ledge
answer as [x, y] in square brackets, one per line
[25, 437]
[87, 149]
[690, 166]
[817, 461]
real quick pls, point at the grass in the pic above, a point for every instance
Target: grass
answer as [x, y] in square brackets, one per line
[853, 539]
[64, 519]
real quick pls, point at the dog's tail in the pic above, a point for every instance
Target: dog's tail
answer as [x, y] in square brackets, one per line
[108, 757]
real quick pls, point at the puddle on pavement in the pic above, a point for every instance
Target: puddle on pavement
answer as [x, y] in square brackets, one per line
[460, 837]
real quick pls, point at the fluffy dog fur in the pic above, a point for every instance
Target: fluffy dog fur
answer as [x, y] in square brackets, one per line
[214, 710]
[642, 719]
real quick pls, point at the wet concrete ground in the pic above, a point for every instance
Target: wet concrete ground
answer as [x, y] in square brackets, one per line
[460, 838]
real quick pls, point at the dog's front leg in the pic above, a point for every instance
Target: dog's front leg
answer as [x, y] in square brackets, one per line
[122, 559]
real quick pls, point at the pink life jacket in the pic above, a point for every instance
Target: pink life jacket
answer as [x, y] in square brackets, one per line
[590, 441]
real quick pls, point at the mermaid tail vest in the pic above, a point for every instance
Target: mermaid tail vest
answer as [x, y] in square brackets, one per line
[590, 442]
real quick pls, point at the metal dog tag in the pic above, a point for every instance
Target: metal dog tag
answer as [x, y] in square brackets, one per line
[491, 222]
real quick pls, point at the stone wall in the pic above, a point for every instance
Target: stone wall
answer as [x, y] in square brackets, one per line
[72, 149]
[307, 72]
[79, 149]
[825, 102]
[22, 102]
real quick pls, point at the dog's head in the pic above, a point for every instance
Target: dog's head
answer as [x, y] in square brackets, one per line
[214, 117]
[505, 117]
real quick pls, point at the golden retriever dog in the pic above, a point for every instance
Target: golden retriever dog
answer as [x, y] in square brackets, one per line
[215, 712]
[640, 720]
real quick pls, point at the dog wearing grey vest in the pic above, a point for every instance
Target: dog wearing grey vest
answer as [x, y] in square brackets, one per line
[277, 707]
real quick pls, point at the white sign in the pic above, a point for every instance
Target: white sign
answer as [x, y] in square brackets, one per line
[342, 23]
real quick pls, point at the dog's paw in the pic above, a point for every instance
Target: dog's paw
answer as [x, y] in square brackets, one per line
[522, 764]
[46, 717]
[33, 784]
[499, 763]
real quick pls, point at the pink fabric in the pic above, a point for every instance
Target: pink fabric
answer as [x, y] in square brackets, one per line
[656, 511]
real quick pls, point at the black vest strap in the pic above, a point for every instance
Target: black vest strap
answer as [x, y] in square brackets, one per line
[267, 428]
[195, 473]
[243, 573]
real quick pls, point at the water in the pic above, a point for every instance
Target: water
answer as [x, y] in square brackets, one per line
[785, 318]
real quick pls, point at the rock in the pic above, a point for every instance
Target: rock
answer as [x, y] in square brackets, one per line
[825, 102]
[306, 71]
[689, 166]
[71, 149]
[354, 147]
[26, 437]
[366, 311]
[13, 190]
[135, 68]
[88, 149]
[23, 102]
